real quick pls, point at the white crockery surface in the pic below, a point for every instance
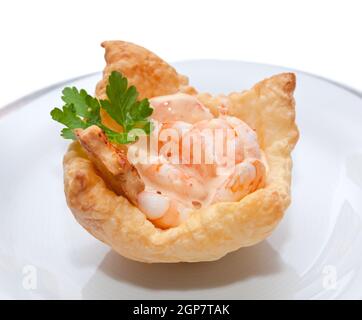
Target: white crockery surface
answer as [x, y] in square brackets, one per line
[314, 253]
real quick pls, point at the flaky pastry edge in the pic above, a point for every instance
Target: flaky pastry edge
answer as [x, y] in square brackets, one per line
[209, 233]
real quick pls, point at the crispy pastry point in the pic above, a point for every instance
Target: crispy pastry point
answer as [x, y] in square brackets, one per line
[111, 163]
[151, 75]
[208, 233]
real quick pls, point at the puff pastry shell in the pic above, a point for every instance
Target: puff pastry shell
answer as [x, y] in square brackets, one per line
[209, 233]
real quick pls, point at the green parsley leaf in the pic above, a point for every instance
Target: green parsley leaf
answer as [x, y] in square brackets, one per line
[68, 117]
[122, 104]
[116, 137]
[77, 98]
[67, 133]
[81, 110]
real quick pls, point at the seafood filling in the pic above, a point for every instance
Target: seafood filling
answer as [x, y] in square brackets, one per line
[193, 159]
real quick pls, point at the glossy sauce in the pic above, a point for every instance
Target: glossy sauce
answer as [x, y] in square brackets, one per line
[178, 187]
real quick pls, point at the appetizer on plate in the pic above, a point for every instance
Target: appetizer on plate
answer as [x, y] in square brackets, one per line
[163, 173]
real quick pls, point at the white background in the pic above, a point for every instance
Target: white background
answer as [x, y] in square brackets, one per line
[43, 42]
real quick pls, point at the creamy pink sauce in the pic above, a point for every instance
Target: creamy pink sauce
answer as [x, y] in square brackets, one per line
[189, 186]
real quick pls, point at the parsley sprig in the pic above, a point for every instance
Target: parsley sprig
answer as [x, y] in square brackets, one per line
[81, 110]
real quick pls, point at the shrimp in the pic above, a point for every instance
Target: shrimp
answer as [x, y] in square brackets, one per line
[174, 188]
[167, 188]
[219, 142]
[179, 107]
[247, 177]
[159, 209]
[175, 180]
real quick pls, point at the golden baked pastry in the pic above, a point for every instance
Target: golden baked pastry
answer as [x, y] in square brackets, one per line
[109, 209]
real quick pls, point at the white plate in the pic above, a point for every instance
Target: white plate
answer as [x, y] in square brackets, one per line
[314, 253]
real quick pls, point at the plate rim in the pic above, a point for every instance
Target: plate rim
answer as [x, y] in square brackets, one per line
[27, 98]
[19, 103]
